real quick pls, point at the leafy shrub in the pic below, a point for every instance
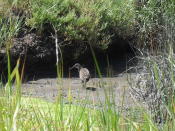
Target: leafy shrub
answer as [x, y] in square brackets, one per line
[9, 27]
[155, 22]
[84, 22]
[9, 23]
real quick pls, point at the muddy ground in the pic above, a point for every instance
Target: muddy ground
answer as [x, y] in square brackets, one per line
[96, 92]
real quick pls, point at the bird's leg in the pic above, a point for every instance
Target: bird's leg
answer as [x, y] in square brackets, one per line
[83, 83]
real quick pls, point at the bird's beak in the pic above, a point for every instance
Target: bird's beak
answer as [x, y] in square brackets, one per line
[70, 68]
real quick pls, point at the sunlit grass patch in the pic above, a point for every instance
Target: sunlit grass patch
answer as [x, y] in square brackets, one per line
[36, 113]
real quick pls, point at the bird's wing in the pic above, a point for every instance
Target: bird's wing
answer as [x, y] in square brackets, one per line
[84, 73]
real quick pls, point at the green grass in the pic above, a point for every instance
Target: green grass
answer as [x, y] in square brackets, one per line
[9, 25]
[37, 114]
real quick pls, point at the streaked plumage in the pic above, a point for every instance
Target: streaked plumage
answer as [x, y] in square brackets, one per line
[84, 74]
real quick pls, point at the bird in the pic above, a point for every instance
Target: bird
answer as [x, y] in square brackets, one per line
[84, 74]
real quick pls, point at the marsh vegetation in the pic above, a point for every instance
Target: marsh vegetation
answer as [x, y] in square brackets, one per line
[34, 33]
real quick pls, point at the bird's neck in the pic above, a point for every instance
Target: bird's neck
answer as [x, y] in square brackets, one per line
[79, 68]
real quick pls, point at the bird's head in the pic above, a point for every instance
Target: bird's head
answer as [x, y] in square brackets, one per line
[77, 66]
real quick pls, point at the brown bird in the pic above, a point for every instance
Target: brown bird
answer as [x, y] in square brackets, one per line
[84, 74]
